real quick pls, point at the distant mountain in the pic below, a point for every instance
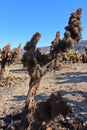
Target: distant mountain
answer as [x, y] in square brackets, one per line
[21, 51]
[45, 49]
[80, 47]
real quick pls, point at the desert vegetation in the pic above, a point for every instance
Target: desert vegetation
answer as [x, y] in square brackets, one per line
[52, 113]
[8, 57]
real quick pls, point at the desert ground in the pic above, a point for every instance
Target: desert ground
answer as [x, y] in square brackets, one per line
[70, 80]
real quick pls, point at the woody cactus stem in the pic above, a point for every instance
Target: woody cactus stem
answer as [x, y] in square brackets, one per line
[33, 68]
[4, 56]
[35, 73]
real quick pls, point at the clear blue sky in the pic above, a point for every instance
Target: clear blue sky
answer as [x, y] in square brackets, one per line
[20, 19]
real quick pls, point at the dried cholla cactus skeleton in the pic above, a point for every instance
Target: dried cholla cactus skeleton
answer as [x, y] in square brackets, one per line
[8, 57]
[14, 55]
[37, 113]
[72, 34]
[30, 61]
[84, 56]
[4, 58]
[86, 49]
[33, 68]
[55, 41]
[71, 37]
[74, 25]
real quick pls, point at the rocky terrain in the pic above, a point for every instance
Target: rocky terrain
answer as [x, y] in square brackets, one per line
[70, 80]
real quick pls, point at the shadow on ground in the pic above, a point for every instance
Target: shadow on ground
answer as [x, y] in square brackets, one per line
[41, 97]
[19, 98]
[77, 98]
[23, 70]
[72, 77]
[79, 106]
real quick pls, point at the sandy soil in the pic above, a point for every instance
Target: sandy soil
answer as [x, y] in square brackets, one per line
[71, 81]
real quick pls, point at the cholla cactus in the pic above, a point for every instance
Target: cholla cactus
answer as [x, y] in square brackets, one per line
[74, 25]
[69, 42]
[8, 57]
[14, 55]
[86, 49]
[4, 56]
[72, 34]
[29, 60]
[55, 41]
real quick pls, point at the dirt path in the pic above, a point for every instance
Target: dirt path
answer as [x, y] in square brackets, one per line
[71, 80]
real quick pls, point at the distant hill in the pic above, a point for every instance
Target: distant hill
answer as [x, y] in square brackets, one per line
[43, 49]
[80, 47]
[21, 51]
